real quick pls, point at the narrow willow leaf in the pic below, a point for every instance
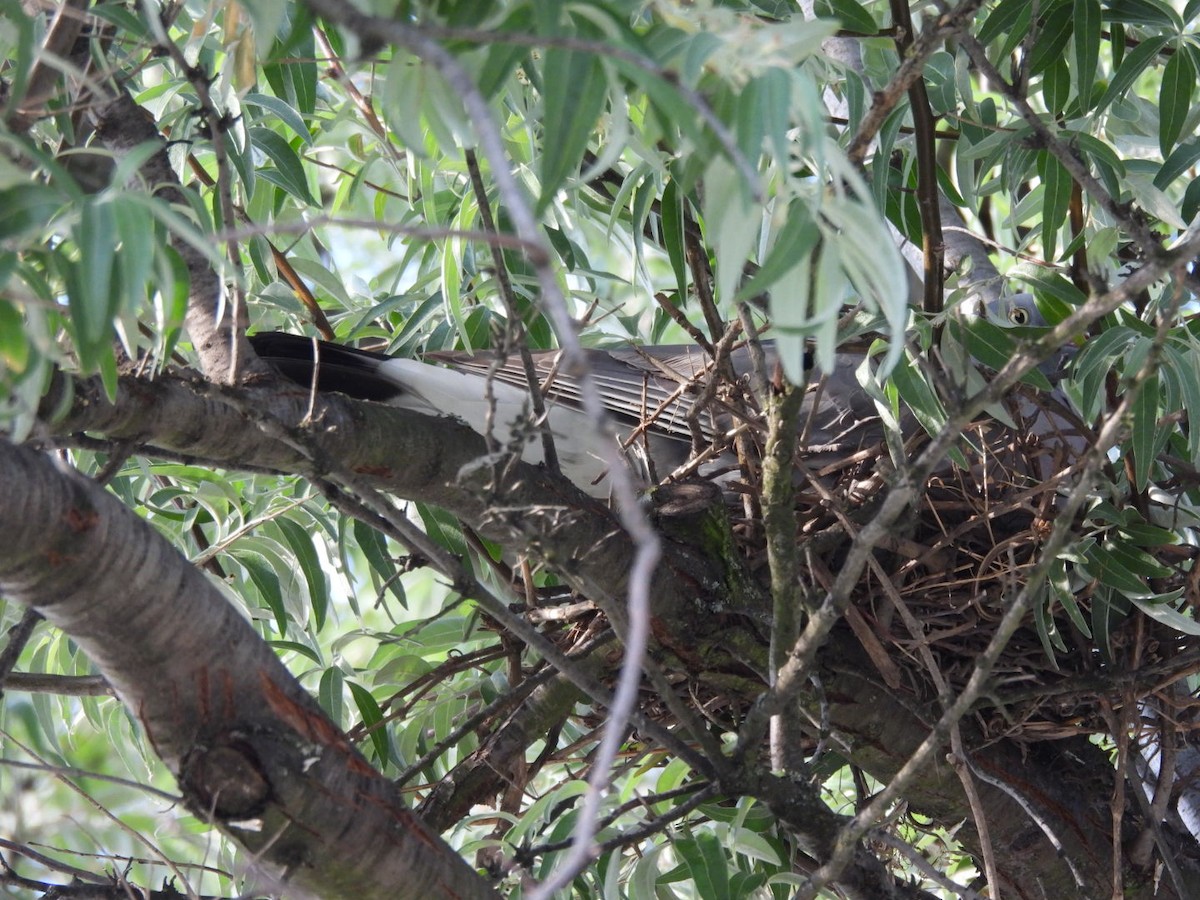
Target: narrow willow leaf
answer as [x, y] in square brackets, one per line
[852, 15]
[1087, 49]
[1112, 571]
[575, 91]
[374, 548]
[1175, 98]
[1054, 285]
[1056, 86]
[1047, 629]
[136, 259]
[1052, 41]
[1182, 160]
[1056, 200]
[1132, 66]
[1060, 582]
[1135, 560]
[289, 172]
[27, 208]
[731, 224]
[672, 235]
[706, 863]
[329, 694]
[794, 241]
[372, 718]
[994, 346]
[918, 395]
[776, 94]
[15, 350]
[1144, 12]
[1160, 609]
[1145, 424]
[1104, 617]
[283, 111]
[1179, 366]
[90, 296]
[300, 542]
[264, 577]
[1003, 20]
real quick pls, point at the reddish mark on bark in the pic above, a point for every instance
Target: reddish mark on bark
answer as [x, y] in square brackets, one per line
[376, 471]
[313, 725]
[79, 520]
[412, 826]
[54, 558]
[202, 686]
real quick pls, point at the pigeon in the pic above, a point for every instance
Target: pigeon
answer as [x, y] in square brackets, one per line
[649, 392]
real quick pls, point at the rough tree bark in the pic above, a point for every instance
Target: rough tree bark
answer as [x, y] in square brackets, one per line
[251, 750]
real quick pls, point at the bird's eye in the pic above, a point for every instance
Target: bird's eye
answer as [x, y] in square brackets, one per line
[1018, 316]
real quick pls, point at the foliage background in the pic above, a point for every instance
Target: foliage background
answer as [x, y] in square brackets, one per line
[671, 162]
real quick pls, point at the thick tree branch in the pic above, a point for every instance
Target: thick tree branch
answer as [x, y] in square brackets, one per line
[252, 751]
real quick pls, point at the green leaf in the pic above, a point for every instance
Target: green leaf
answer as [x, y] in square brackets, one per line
[993, 346]
[1179, 368]
[1056, 85]
[1056, 200]
[1131, 68]
[22, 44]
[1175, 98]
[1135, 560]
[136, 259]
[1111, 569]
[1143, 534]
[1104, 615]
[289, 172]
[795, 241]
[731, 224]
[294, 80]
[852, 15]
[672, 235]
[373, 546]
[267, 581]
[1053, 284]
[287, 114]
[1159, 608]
[1145, 426]
[27, 208]
[442, 528]
[707, 863]
[920, 397]
[296, 647]
[1143, 12]
[1182, 160]
[1051, 42]
[502, 58]
[1047, 628]
[14, 342]
[301, 544]
[940, 83]
[1060, 583]
[1094, 362]
[1003, 20]
[126, 20]
[92, 300]
[749, 127]
[1087, 49]
[372, 718]
[574, 93]
[329, 694]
